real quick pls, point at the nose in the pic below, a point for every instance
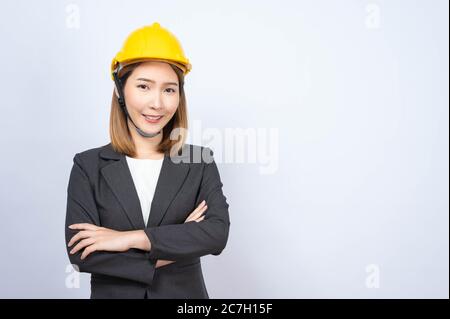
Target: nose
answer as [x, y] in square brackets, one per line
[155, 101]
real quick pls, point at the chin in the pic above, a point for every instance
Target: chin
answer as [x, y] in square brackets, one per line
[151, 128]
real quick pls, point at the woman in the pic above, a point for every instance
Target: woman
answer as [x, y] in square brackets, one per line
[143, 209]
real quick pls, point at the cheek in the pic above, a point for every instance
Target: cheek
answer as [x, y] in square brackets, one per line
[172, 104]
[134, 99]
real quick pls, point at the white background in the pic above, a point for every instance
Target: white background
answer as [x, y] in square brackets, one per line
[358, 91]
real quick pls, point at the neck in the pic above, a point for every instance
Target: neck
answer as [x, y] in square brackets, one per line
[146, 147]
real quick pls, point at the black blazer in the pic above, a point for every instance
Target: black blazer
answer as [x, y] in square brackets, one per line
[101, 192]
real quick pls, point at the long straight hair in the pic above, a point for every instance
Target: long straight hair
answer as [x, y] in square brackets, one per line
[174, 132]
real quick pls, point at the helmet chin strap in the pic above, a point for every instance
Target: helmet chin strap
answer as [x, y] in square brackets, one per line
[121, 99]
[142, 133]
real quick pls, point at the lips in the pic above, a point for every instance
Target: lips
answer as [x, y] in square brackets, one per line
[152, 118]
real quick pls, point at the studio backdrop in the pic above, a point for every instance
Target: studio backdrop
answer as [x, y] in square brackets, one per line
[329, 122]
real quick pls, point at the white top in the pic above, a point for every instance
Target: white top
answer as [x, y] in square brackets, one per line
[145, 173]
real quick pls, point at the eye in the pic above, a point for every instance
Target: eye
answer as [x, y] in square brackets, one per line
[142, 86]
[173, 91]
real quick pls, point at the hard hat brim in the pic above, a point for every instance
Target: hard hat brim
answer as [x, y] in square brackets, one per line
[117, 66]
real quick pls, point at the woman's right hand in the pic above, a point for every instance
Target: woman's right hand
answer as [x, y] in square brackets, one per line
[197, 216]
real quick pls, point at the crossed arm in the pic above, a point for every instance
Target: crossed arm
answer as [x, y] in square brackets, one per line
[93, 238]
[135, 255]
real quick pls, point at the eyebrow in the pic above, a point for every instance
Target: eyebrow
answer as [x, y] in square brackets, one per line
[149, 80]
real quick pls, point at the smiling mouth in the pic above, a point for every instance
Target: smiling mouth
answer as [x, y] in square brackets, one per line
[152, 118]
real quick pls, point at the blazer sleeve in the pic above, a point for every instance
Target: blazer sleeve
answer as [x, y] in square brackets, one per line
[81, 208]
[196, 239]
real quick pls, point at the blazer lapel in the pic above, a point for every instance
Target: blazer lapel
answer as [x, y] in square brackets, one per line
[118, 177]
[171, 178]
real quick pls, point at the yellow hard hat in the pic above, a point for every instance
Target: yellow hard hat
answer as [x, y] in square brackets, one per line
[151, 42]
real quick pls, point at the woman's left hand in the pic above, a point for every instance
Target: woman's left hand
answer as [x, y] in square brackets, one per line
[93, 238]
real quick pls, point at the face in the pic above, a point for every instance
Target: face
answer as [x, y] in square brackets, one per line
[152, 95]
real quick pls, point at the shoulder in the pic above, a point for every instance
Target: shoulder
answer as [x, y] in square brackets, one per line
[90, 160]
[199, 149]
[92, 154]
[189, 153]
[196, 154]
[201, 160]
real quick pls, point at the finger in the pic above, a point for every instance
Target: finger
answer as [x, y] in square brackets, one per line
[80, 235]
[203, 203]
[200, 219]
[83, 226]
[200, 212]
[162, 262]
[194, 216]
[87, 251]
[195, 211]
[82, 244]
[189, 218]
